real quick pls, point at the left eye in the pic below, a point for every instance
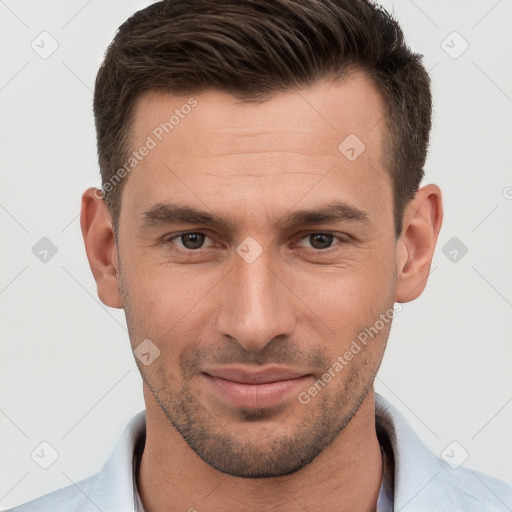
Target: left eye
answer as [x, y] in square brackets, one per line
[320, 240]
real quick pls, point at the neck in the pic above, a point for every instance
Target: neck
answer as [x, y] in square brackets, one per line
[346, 476]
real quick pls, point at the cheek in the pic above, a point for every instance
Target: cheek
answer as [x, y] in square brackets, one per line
[165, 304]
[351, 295]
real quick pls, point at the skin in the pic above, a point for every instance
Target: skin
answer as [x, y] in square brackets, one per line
[298, 304]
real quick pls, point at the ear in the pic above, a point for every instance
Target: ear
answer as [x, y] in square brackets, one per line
[100, 245]
[421, 224]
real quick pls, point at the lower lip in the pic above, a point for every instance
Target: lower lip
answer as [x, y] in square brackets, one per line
[256, 396]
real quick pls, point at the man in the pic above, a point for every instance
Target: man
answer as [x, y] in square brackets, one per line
[260, 217]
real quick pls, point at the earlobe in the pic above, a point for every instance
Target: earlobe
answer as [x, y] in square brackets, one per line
[100, 246]
[415, 248]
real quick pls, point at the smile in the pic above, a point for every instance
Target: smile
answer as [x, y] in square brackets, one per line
[265, 388]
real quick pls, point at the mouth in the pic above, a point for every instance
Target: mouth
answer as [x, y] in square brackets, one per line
[244, 388]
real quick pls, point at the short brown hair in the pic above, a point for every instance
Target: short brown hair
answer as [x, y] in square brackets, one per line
[252, 49]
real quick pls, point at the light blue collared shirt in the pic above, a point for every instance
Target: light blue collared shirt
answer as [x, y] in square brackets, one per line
[419, 480]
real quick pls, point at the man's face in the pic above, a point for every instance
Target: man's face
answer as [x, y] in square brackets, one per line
[249, 313]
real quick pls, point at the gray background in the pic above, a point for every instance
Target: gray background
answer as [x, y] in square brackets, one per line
[67, 376]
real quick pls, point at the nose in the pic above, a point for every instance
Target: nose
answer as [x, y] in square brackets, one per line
[257, 306]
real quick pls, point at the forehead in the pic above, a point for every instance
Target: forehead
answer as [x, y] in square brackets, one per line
[212, 148]
[328, 109]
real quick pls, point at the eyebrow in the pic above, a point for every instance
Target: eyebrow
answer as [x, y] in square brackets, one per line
[173, 214]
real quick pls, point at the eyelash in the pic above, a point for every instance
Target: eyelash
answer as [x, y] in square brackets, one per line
[342, 237]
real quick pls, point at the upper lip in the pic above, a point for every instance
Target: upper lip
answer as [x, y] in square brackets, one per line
[252, 376]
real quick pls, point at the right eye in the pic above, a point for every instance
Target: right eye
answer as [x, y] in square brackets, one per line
[191, 240]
